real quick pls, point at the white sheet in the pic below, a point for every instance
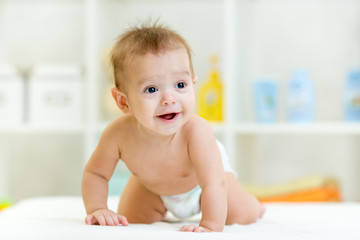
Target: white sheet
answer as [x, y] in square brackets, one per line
[62, 218]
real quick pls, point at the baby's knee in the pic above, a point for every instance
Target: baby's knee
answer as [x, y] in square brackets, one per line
[242, 220]
[246, 217]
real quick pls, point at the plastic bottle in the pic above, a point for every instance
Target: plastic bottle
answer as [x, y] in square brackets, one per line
[211, 95]
[266, 100]
[352, 96]
[300, 97]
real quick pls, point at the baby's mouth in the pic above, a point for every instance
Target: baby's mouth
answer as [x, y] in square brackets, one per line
[168, 116]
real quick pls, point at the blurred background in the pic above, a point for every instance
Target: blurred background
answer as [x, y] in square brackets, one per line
[278, 79]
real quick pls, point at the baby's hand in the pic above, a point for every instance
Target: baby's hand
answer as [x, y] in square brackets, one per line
[194, 228]
[105, 217]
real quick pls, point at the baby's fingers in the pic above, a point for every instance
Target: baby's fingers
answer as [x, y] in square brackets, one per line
[100, 219]
[109, 219]
[106, 219]
[97, 219]
[115, 220]
[122, 220]
[193, 228]
[93, 220]
[200, 229]
[187, 228]
[89, 220]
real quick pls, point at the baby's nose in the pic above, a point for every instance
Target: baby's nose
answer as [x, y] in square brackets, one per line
[168, 99]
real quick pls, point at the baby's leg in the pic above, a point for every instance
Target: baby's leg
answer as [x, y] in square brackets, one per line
[139, 205]
[243, 208]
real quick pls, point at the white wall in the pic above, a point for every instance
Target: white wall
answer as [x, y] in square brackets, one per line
[41, 31]
[275, 37]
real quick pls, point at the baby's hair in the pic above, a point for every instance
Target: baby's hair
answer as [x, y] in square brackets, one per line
[154, 38]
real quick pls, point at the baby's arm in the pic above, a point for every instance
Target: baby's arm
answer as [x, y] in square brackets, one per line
[96, 176]
[206, 159]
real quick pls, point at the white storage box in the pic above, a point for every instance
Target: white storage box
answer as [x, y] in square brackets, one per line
[55, 95]
[11, 96]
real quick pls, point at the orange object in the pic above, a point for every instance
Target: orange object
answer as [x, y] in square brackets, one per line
[311, 195]
[308, 189]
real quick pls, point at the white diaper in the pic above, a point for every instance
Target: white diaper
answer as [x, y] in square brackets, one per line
[183, 205]
[188, 204]
[225, 159]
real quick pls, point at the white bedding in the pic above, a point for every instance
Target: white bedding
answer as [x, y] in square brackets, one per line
[62, 218]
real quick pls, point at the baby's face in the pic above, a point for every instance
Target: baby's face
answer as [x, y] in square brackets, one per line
[160, 91]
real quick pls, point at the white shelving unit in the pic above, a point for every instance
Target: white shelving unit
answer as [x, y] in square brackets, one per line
[251, 38]
[272, 39]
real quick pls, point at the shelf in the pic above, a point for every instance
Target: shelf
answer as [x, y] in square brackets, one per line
[298, 128]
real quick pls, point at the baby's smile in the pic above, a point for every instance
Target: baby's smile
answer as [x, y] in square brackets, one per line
[168, 117]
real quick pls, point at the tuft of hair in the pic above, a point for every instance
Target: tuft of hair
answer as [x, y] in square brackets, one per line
[154, 38]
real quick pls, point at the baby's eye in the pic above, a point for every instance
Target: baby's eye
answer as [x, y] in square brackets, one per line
[151, 90]
[180, 85]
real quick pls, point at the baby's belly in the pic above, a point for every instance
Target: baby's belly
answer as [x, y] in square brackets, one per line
[169, 184]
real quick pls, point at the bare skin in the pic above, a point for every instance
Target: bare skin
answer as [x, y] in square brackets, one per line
[168, 149]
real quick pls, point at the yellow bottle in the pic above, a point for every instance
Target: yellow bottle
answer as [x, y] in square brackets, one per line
[211, 95]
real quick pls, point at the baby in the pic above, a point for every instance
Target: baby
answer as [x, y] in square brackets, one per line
[176, 163]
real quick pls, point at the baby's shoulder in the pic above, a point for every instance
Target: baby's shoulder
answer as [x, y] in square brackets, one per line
[120, 126]
[197, 125]
[198, 133]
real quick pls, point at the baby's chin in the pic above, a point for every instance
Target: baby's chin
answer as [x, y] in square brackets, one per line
[165, 131]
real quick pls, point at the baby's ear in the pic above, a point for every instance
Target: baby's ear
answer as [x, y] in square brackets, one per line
[120, 99]
[194, 79]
